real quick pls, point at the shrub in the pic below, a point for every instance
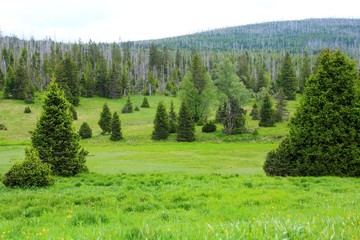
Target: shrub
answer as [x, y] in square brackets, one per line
[136, 109]
[209, 127]
[2, 127]
[30, 172]
[85, 130]
[128, 108]
[145, 103]
[27, 110]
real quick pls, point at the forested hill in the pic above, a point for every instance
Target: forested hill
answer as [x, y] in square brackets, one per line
[295, 36]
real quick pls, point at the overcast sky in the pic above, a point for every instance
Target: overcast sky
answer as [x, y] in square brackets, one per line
[110, 20]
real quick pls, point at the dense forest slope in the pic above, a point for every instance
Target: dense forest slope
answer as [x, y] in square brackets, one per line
[295, 36]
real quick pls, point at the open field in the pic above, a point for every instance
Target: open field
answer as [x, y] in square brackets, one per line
[214, 188]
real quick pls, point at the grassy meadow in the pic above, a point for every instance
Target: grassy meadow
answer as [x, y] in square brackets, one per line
[214, 188]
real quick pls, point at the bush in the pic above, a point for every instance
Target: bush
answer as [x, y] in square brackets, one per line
[2, 127]
[128, 108]
[136, 109]
[85, 130]
[209, 127]
[29, 173]
[27, 110]
[145, 103]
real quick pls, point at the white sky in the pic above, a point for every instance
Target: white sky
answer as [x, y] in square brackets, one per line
[111, 20]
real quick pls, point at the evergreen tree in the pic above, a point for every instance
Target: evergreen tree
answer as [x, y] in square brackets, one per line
[324, 134]
[116, 134]
[29, 173]
[280, 112]
[128, 108]
[114, 84]
[267, 113]
[197, 89]
[305, 71]
[29, 94]
[287, 78]
[172, 119]
[161, 123]
[66, 77]
[221, 113]
[2, 80]
[55, 138]
[262, 78]
[186, 125]
[73, 112]
[243, 70]
[255, 115]
[145, 103]
[21, 78]
[85, 130]
[105, 120]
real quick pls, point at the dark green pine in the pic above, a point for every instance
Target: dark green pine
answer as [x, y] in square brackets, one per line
[267, 113]
[116, 134]
[186, 125]
[161, 123]
[105, 119]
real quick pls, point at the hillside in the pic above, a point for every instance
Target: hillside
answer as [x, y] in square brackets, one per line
[295, 36]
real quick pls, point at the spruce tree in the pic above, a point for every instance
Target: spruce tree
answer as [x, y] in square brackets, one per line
[67, 78]
[85, 130]
[287, 78]
[267, 113]
[161, 123]
[128, 108]
[255, 115]
[172, 119]
[305, 72]
[116, 134]
[105, 119]
[186, 125]
[145, 103]
[55, 138]
[324, 136]
[281, 113]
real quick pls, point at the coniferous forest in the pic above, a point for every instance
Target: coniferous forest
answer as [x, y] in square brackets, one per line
[233, 133]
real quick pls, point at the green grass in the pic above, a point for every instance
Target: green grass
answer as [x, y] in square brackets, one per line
[214, 188]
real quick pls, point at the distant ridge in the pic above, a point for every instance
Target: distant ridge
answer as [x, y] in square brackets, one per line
[294, 36]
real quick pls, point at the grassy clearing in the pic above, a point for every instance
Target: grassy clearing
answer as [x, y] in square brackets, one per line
[214, 188]
[182, 206]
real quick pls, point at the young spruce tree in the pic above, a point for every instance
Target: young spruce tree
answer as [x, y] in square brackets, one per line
[324, 134]
[105, 120]
[161, 123]
[186, 127]
[172, 119]
[55, 138]
[267, 113]
[116, 134]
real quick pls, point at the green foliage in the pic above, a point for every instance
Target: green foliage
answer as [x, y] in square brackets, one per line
[235, 93]
[128, 108]
[85, 130]
[66, 75]
[116, 133]
[267, 113]
[325, 131]
[221, 113]
[29, 94]
[173, 125]
[186, 127]
[287, 78]
[197, 89]
[54, 137]
[29, 173]
[137, 109]
[281, 113]
[255, 114]
[161, 123]
[145, 103]
[105, 119]
[27, 109]
[209, 127]
[73, 112]
[305, 72]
